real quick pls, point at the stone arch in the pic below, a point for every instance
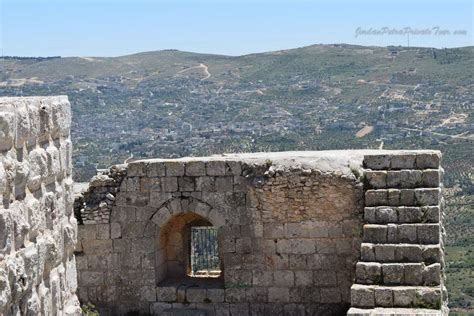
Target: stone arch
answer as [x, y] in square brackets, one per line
[179, 205]
[173, 220]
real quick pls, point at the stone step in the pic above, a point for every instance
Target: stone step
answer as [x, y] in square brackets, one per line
[386, 253]
[402, 233]
[403, 179]
[370, 296]
[394, 312]
[398, 273]
[403, 197]
[401, 214]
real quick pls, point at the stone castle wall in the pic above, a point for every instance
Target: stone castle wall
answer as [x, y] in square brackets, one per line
[300, 233]
[289, 237]
[37, 226]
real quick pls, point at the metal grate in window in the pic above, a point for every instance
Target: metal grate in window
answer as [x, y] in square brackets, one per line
[204, 252]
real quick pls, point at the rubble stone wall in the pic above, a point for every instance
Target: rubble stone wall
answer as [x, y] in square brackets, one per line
[38, 230]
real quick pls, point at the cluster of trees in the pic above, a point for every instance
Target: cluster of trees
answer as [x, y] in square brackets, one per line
[29, 58]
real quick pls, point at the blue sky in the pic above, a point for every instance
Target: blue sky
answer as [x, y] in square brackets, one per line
[231, 27]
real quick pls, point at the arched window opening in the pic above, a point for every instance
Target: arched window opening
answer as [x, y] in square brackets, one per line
[188, 249]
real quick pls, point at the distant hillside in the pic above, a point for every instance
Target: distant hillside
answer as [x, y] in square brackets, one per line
[172, 103]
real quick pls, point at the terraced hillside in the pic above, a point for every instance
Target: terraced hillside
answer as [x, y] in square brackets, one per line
[172, 103]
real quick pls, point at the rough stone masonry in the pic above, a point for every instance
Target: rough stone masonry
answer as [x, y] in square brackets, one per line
[298, 233]
[38, 230]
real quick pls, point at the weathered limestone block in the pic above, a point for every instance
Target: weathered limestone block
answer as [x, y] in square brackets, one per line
[101, 180]
[7, 128]
[234, 168]
[413, 273]
[38, 234]
[392, 273]
[215, 295]
[368, 273]
[224, 184]
[296, 246]
[383, 297]
[428, 233]
[234, 295]
[156, 169]
[408, 253]
[137, 169]
[404, 297]
[38, 165]
[367, 252]
[169, 184]
[148, 185]
[6, 238]
[427, 196]
[216, 168]
[428, 161]
[393, 196]
[377, 179]
[362, 296]
[283, 278]
[402, 161]
[411, 178]
[186, 184]
[376, 197]
[195, 168]
[407, 233]
[304, 278]
[380, 215]
[431, 178]
[330, 295]
[431, 214]
[196, 295]
[377, 162]
[407, 197]
[115, 230]
[174, 169]
[394, 179]
[278, 294]
[375, 233]
[410, 214]
[432, 274]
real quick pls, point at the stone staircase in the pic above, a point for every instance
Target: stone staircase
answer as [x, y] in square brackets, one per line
[400, 271]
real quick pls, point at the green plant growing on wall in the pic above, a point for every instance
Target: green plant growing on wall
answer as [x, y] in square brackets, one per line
[89, 310]
[268, 163]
